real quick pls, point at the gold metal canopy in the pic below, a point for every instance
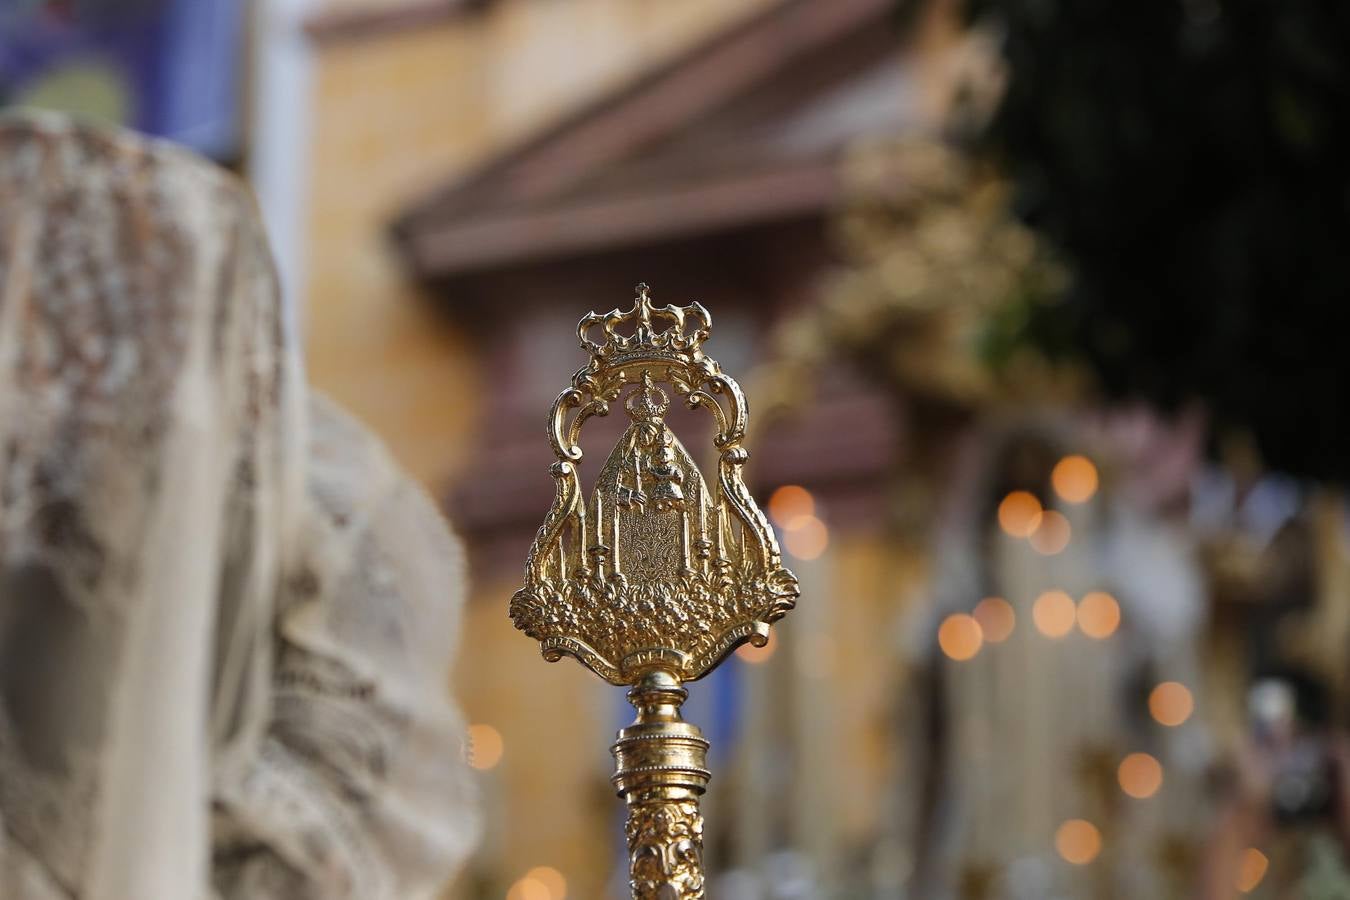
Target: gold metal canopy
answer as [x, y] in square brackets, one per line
[656, 577]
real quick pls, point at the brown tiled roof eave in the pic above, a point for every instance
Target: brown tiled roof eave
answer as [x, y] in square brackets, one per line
[747, 56]
[579, 225]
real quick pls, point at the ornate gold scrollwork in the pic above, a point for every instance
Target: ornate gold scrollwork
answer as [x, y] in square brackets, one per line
[655, 570]
[656, 577]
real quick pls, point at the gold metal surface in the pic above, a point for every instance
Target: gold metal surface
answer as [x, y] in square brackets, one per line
[657, 576]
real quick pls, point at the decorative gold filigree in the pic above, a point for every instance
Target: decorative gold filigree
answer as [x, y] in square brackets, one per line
[657, 576]
[656, 570]
[665, 849]
[661, 771]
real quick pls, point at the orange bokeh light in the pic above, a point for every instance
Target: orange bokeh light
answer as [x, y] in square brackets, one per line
[1078, 841]
[551, 879]
[996, 618]
[1252, 867]
[755, 655]
[1054, 613]
[1052, 533]
[1019, 514]
[1140, 775]
[960, 636]
[805, 537]
[790, 501]
[1171, 703]
[1075, 479]
[1098, 615]
[485, 747]
[528, 888]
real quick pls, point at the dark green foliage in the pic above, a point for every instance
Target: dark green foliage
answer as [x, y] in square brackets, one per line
[1191, 163]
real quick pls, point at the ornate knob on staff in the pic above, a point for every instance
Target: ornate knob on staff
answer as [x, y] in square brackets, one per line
[655, 578]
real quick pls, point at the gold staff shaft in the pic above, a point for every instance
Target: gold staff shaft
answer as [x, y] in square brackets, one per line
[660, 772]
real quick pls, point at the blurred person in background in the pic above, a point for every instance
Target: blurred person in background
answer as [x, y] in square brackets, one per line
[226, 617]
[1065, 591]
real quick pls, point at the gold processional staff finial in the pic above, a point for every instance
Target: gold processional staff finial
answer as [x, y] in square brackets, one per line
[655, 578]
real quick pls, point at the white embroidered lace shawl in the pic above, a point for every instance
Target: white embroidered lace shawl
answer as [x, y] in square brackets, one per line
[226, 619]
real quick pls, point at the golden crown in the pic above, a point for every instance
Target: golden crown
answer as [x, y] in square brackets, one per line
[680, 337]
